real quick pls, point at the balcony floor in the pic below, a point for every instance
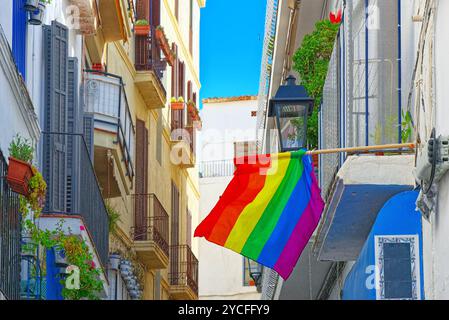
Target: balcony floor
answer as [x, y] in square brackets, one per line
[151, 254]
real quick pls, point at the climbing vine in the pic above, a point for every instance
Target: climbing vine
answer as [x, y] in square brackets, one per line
[311, 61]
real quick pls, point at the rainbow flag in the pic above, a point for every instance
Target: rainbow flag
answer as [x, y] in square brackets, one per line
[269, 210]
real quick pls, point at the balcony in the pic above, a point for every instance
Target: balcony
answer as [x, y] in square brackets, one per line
[183, 275]
[151, 231]
[183, 139]
[150, 68]
[113, 23]
[216, 169]
[9, 237]
[114, 139]
[88, 16]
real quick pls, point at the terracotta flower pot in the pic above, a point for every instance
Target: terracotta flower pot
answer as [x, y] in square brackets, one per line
[177, 105]
[142, 30]
[19, 175]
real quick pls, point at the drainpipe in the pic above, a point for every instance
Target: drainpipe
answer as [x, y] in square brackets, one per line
[399, 72]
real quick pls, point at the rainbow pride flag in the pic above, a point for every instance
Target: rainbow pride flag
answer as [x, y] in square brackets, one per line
[269, 210]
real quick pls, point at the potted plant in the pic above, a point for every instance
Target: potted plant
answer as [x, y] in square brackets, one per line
[177, 104]
[20, 170]
[160, 34]
[142, 27]
[37, 16]
[31, 5]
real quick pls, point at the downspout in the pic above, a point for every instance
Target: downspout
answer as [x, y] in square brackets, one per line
[399, 72]
[366, 74]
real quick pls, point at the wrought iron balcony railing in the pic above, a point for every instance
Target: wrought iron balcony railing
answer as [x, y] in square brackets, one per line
[80, 193]
[151, 221]
[9, 237]
[183, 267]
[212, 169]
[106, 99]
[148, 55]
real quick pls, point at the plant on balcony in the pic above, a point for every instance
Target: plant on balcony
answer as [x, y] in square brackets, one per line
[165, 45]
[113, 217]
[76, 252]
[177, 104]
[142, 27]
[193, 111]
[20, 170]
[311, 61]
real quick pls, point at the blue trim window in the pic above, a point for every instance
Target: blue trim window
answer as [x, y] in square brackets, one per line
[19, 32]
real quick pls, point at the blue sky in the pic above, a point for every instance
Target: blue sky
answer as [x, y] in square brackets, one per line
[231, 47]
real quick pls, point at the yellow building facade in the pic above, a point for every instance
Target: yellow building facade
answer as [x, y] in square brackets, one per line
[142, 59]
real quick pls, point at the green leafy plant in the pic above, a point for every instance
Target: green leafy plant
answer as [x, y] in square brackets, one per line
[142, 22]
[113, 217]
[407, 126]
[76, 252]
[311, 61]
[46, 1]
[21, 149]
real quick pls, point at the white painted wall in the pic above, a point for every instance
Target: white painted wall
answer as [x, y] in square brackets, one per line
[436, 246]
[223, 124]
[221, 270]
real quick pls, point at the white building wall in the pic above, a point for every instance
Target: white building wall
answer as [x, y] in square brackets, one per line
[223, 124]
[221, 270]
[436, 246]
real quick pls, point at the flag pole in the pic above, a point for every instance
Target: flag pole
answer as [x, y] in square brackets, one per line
[384, 147]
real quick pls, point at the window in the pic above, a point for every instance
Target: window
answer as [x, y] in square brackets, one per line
[177, 9]
[397, 261]
[245, 148]
[159, 139]
[249, 265]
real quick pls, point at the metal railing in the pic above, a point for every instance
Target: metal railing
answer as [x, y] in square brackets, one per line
[10, 234]
[183, 267]
[151, 221]
[105, 98]
[178, 120]
[89, 204]
[148, 55]
[212, 169]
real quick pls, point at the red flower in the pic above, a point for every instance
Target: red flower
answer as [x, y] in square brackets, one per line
[335, 18]
[92, 264]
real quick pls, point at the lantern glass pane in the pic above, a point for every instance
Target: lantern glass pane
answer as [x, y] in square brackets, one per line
[292, 122]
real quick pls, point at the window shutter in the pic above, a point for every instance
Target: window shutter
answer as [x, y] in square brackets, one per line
[55, 117]
[141, 203]
[189, 91]
[88, 132]
[189, 228]
[177, 9]
[143, 9]
[156, 12]
[74, 116]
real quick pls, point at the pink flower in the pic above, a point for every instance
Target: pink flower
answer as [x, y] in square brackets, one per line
[82, 228]
[92, 264]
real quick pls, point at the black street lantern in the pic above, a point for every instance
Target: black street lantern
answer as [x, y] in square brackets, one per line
[292, 106]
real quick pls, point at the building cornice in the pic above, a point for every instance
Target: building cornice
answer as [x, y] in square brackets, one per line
[18, 88]
[180, 41]
[229, 99]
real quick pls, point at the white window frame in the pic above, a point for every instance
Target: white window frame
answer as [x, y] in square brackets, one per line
[413, 240]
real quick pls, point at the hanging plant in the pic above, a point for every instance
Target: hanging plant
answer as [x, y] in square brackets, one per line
[142, 27]
[113, 217]
[311, 61]
[20, 170]
[77, 253]
[177, 104]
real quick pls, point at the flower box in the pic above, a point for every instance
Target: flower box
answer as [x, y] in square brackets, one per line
[315, 160]
[142, 30]
[19, 175]
[177, 105]
[165, 46]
